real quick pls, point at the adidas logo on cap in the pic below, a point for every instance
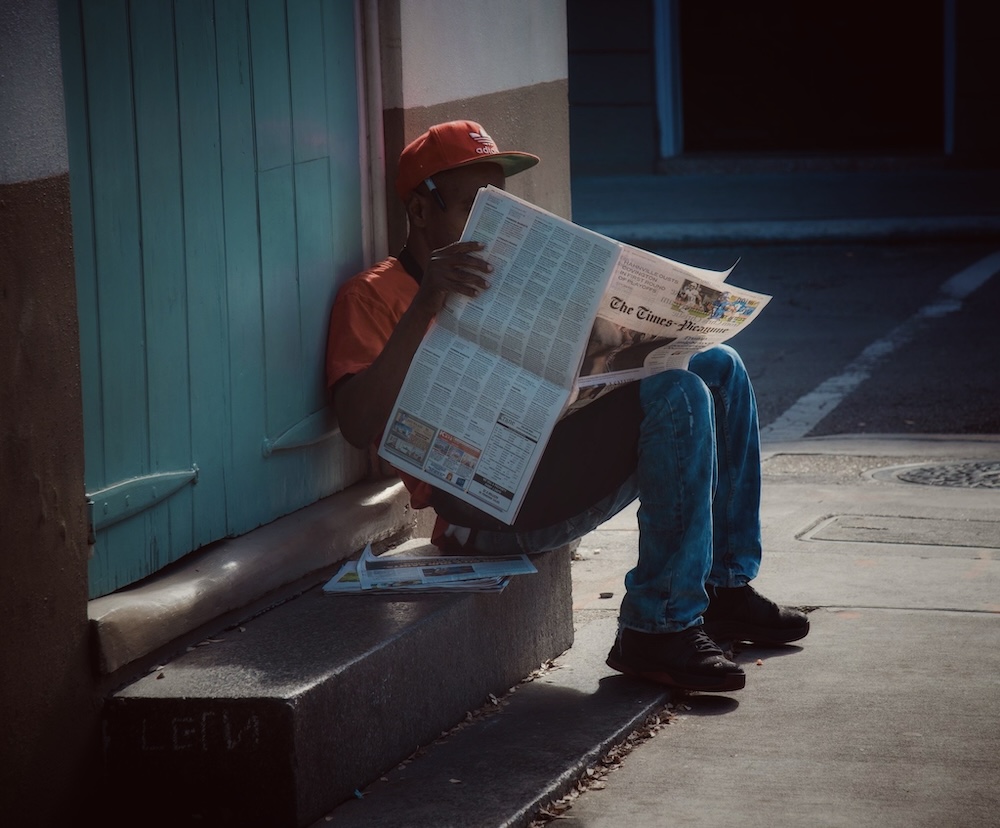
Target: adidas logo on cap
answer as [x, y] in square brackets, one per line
[487, 145]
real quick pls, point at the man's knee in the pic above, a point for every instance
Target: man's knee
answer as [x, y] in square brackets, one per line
[675, 393]
[718, 365]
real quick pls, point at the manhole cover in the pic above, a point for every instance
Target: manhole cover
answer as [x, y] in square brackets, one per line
[975, 475]
[906, 530]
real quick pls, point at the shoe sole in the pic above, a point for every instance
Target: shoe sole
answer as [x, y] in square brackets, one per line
[681, 681]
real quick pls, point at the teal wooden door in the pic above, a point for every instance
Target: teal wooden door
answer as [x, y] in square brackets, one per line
[216, 195]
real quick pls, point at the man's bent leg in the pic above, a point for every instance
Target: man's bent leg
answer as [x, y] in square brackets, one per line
[665, 592]
[736, 611]
[660, 636]
[736, 508]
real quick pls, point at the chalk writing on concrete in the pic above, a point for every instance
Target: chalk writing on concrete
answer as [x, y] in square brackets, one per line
[212, 731]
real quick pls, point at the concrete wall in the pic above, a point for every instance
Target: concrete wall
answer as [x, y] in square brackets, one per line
[50, 742]
[503, 64]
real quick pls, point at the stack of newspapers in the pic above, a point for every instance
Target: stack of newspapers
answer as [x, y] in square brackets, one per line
[403, 574]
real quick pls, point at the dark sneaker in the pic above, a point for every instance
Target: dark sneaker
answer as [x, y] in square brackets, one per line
[688, 660]
[743, 614]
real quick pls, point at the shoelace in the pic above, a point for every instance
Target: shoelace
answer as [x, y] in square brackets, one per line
[702, 643]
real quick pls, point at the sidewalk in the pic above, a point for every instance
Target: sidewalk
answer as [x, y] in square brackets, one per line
[886, 715]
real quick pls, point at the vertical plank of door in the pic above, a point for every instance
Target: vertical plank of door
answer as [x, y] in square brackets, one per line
[315, 254]
[272, 101]
[314, 220]
[205, 261]
[280, 289]
[84, 252]
[163, 267]
[247, 496]
[307, 81]
[347, 464]
[279, 266]
[122, 338]
[344, 142]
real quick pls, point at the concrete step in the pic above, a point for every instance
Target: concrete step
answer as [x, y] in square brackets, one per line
[500, 769]
[277, 721]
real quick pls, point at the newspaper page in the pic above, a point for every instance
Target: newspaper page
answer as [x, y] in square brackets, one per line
[569, 315]
[495, 372]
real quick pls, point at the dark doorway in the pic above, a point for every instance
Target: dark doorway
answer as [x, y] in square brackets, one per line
[782, 76]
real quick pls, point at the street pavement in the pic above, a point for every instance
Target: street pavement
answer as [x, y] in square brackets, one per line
[886, 714]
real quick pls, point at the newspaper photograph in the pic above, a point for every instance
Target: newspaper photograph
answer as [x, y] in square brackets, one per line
[570, 314]
[655, 315]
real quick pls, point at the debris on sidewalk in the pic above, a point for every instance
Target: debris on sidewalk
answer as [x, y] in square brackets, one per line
[592, 779]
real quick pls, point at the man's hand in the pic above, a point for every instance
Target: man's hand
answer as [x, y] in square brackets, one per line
[452, 269]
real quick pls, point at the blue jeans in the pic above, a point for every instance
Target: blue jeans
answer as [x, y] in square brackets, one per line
[698, 484]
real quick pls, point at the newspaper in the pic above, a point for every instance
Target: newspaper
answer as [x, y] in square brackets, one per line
[570, 314]
[401, 573]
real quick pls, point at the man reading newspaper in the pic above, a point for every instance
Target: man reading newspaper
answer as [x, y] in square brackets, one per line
[684, 442]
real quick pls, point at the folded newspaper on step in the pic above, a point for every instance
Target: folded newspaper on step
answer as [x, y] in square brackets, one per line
[402, 573]
[569, 315]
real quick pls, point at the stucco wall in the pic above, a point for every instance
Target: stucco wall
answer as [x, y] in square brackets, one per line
[46, 684]
[503, 64]
[51, 733]
[32, 131]
[452, 50]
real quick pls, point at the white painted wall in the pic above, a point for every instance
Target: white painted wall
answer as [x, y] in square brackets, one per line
[452, 50]
[32, 118]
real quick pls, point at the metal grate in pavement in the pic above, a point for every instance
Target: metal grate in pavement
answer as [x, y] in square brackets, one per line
[973, 475]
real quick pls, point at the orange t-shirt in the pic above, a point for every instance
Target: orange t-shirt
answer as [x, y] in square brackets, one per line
[364, 314]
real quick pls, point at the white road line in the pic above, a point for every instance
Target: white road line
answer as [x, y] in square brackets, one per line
[808, 410]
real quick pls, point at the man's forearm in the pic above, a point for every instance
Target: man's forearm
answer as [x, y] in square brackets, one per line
[364, 402]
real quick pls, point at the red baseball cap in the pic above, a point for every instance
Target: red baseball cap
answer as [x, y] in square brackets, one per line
[454, 144]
